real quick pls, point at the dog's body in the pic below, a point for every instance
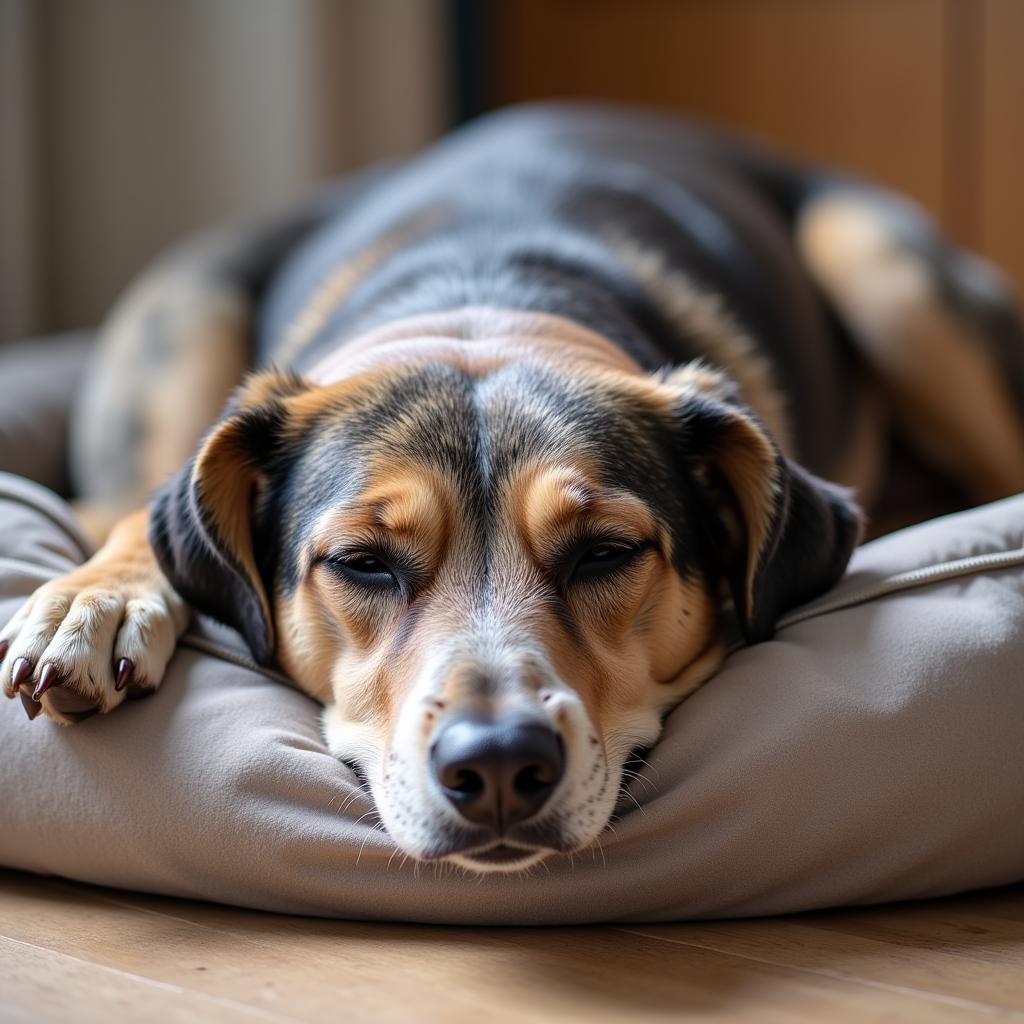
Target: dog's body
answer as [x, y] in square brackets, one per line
[550, 388]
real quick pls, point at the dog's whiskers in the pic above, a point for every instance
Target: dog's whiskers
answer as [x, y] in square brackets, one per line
[376, 828]
[644, 762]
[637, 777]
[595, 846]
[352, 798]
[623, 791]
[372, 810]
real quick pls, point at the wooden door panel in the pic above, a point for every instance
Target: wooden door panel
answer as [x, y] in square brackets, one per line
[857, 83]
[1000, 177]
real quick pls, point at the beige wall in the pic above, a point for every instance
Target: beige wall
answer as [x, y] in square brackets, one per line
[150, 118]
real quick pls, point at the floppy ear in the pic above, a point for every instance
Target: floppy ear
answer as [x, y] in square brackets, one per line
[784, 536]
[201, 521]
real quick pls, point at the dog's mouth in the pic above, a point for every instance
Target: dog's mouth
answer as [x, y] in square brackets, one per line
[500, 856]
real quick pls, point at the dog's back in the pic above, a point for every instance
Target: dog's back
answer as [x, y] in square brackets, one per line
[672, 240]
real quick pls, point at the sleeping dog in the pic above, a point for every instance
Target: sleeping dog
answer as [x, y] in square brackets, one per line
[535, 414]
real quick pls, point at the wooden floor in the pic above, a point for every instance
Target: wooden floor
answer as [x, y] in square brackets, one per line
[74, 953]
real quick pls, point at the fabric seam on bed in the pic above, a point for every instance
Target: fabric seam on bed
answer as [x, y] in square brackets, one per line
[908, 580]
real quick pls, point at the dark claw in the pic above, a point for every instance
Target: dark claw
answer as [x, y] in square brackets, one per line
[48, 677]
[21, 671]
[4, 645]
[125, 670]
[32, 708]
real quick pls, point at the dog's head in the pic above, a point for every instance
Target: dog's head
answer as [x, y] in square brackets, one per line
[497, 578]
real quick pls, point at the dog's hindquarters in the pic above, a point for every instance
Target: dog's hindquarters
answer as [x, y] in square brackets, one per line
[938, 326]
[939, 330]
[169, 354]
[164, 362]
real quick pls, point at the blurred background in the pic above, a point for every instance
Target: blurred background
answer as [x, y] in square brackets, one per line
[128, 123]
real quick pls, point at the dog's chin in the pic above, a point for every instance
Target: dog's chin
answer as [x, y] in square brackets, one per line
[499, 858]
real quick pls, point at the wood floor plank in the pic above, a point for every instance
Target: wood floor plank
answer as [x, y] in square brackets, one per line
[205, 959]
[222, 964]
[1006, 903]
[310, 968]
[798, 942]
[40, 985]
[984, 927]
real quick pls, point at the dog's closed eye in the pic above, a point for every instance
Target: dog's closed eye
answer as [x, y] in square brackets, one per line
[604, 558]
[372, 569]
[364, 568]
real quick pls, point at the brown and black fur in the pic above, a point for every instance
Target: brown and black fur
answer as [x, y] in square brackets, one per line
[542, 209]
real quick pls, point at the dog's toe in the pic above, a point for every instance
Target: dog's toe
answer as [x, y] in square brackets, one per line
[78, 647]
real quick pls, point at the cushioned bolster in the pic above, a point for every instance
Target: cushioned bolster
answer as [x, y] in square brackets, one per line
[871, 752]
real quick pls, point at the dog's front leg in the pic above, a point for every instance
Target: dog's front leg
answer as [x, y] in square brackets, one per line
[84, 641]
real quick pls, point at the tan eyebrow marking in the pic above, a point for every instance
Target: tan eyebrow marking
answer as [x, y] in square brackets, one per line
[547, 501]
[411, 508]
[411, 503]
[556, 497]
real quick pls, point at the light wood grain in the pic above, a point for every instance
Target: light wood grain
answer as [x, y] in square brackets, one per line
[38, 984]
[888, 966]
[71, 952]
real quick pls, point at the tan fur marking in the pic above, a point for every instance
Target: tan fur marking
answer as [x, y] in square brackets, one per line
[224, 475]
[477, 340]
[309, 642]
[648, 625]
[413, 503]
[746, 456]
[547, 501]
[341, 281]
[949, 393]
[748, 461]
[209, 360]
[332, 637]
[703, 320]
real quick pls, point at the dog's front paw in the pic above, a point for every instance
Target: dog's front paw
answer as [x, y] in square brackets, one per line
[83, 642]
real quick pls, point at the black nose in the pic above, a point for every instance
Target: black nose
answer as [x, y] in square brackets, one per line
[497, 772]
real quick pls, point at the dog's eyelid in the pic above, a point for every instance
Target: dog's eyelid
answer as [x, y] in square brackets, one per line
[572, 563]
[404, 568]
[589, 535]
[376, 545]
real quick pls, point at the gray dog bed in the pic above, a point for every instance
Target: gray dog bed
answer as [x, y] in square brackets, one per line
[873, 751]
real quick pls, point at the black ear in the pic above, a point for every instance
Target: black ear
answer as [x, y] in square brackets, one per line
[784, 536]
[814, 529]
[201, 521]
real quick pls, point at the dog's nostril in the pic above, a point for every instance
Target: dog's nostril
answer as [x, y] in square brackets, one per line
[467, 783]
[497, 772]
[533, 780]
